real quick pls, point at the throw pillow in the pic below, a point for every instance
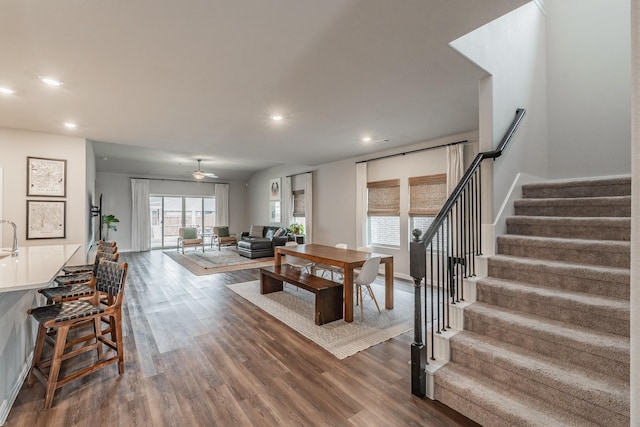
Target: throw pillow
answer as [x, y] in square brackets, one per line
[279, 232]
[189, 233]
[223, 231]
[256, 231]
[270, 233]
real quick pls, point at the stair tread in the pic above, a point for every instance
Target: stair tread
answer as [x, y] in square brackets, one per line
[562, 375]
[580, 182]
[589, 270]
[588, 338]
[584, 221]
[515, 408]
[574, 296]
[573, 201]
[563, 242]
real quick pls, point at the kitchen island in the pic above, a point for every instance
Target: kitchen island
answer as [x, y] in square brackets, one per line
[20, 276]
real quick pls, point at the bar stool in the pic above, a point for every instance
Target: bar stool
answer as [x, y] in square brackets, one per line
[110, 248]
[74, 286]
[60, 317]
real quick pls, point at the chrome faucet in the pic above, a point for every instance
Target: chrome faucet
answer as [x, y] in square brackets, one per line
[14, 249]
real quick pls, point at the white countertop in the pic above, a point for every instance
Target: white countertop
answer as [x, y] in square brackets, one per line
[34, 267]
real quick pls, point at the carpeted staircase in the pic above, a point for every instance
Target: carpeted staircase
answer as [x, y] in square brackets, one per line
[547, 342]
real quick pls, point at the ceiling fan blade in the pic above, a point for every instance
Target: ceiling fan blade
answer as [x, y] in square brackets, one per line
[209, 174]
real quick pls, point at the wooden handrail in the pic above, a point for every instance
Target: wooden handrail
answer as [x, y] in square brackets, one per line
[448, 205]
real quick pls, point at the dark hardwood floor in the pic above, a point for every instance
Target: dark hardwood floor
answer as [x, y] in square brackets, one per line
[197, 354]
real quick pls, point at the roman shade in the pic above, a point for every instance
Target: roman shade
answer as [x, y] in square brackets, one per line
[427, 194]
[298, 203]
[383, 198]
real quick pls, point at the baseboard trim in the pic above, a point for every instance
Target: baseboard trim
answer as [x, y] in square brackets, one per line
[499, 226]
[6, 406]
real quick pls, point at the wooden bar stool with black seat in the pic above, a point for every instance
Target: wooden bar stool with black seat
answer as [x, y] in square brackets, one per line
[60, 317]
[108, 247]
[74, 286]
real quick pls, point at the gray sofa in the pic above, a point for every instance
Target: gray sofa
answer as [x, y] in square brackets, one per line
[257, 247]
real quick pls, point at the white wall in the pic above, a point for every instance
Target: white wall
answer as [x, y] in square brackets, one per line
[512, 49]
[334, 209]
[116, 199]
[93, 222]
[17, 331]
[258, 189]
[16, 146]
[589, 77]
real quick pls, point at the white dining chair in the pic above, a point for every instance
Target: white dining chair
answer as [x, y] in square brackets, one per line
[298, 263]
[366, 277]
[331, 269]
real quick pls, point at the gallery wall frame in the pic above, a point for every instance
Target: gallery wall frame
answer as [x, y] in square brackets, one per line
[46, 219]
[274, 211]
[46, 177]
[274, 189]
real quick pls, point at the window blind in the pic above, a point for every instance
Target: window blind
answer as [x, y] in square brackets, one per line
[427, 194]
[298, 203]
[383, 198]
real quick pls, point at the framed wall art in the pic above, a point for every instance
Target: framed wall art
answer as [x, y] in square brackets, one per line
[46, 177]
[274, 189]
[274, 211]
[46, 219]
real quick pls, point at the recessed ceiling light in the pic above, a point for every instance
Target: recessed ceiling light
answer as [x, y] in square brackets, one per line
[71, 125]
[7, 91]
[50, 81]
[366, 139]
[276, 117]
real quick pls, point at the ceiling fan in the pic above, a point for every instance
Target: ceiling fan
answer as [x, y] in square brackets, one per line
[199, 174]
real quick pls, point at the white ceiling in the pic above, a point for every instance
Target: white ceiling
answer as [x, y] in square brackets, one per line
[161, 82]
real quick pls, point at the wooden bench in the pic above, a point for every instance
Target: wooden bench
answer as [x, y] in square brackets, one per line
[329, 304]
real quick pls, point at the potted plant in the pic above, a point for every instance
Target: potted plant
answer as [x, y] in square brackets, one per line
[109, 221]
[296, 229]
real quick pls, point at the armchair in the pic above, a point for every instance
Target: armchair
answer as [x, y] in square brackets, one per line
[188, 236]
[221, 237]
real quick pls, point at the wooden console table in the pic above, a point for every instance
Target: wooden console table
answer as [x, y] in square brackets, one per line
[347, 259]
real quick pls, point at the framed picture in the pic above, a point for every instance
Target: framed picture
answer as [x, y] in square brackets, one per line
[46, 177]
[46, 219]
[274, 211]
[274, 189]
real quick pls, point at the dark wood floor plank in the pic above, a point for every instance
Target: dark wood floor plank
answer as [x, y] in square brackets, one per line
[198, 354]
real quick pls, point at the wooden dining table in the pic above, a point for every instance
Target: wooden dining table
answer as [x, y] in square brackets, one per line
[347, 259]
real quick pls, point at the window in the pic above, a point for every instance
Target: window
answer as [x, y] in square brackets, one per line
[298, 207]
[423, 223]
[427, 194]
[383, 213]
[298, 203]
[169, 213]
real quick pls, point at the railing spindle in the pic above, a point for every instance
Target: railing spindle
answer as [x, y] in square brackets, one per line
[457, 231]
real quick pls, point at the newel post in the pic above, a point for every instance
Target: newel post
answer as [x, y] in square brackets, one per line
[417, 268]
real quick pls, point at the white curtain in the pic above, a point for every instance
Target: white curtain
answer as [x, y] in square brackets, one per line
[308, 208]
[361, 204]
[222, 204]
[455, 166]
[287, 203]
[454, 174]
[140, 216]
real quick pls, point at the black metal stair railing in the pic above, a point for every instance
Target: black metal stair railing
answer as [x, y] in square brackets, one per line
[444, 257]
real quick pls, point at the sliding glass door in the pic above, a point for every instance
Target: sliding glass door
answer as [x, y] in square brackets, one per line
[169, 213]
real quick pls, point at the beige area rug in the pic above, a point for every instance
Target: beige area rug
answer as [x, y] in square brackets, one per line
[210, 262]
[295, 308]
